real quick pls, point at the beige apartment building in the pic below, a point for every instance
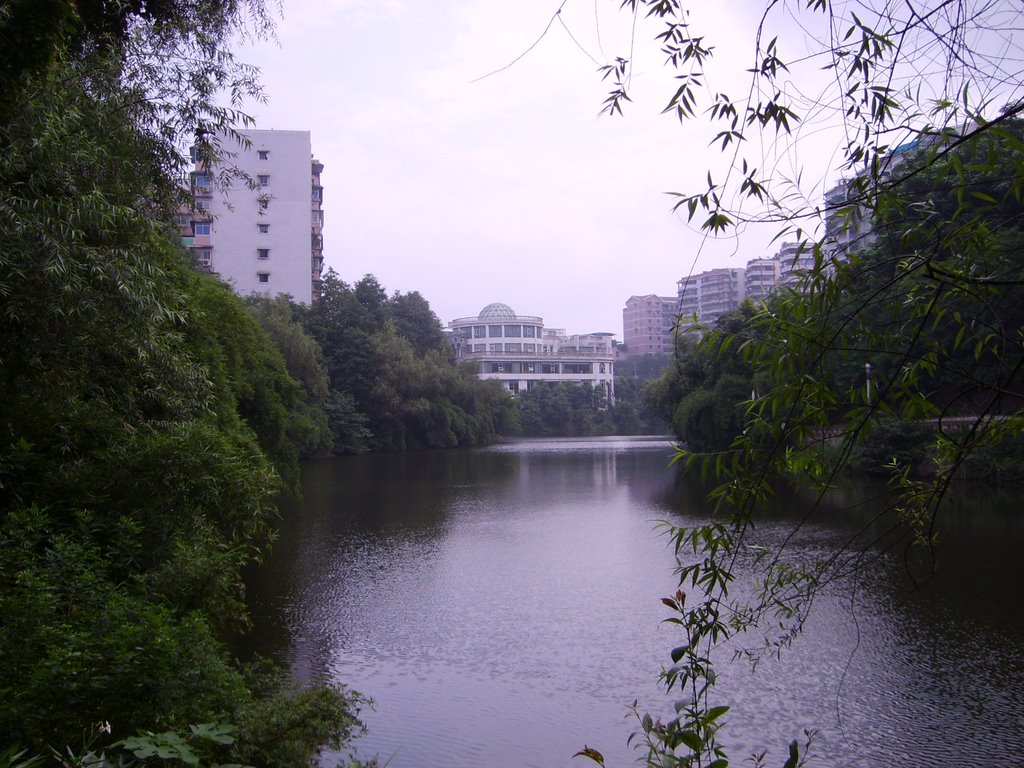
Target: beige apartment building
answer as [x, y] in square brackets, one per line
[648, 325]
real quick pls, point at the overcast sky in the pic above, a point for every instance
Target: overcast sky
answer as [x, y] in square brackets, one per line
[472, 187]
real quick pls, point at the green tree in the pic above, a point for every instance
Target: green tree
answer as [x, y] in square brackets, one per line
[394, 384]
[415, 320]
[932, 304]
[564, 409]
[545, 410]
[241, 357]
[632, 413]
[644, 367]
[133, 479]
[703, 393]
[373, 301]
[281, 319]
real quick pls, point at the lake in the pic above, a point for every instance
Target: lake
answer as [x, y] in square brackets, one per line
[502, 608]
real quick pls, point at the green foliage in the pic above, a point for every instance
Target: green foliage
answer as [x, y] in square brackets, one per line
[281, 318]
[172, 747]
[140, 404]
[248, 367]
[705, 391]
[416, 322]
[393, 383]
[113, 650]
[912, 319]
[12, 757]
[350, 432]
[564, 409]
[644, 367]
[278, 729]
[633, 412]
[894, 442]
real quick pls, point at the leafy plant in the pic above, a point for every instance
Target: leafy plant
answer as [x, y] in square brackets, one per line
[916, 273]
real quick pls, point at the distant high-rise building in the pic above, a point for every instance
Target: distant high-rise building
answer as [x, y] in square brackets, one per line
[762, 277]
[262, 233]
[648, 325]
[848, 226]
[711, 294]
[688, 300]
[795, 261]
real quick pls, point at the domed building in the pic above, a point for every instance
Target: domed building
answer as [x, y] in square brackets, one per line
[519, 351]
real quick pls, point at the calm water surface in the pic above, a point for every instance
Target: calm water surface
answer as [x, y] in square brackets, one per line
[502, 608]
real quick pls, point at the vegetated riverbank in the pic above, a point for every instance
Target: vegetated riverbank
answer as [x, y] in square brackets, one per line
[914, 445]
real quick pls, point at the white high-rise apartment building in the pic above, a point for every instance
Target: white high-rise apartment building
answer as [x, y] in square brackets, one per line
[762, 278]
[263, 235]
[710, 294]
[795, 261]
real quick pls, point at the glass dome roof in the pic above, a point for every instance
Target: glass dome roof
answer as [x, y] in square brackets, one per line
[497, 311]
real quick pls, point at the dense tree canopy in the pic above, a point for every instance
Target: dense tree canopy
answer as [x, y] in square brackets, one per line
[147, 421]
[393, 383]
[703, 393]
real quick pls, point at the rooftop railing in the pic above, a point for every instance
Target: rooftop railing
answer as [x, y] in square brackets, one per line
[518, 319]
[562, 353]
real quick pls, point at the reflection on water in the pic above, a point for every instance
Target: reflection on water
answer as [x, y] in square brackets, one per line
[502, 608]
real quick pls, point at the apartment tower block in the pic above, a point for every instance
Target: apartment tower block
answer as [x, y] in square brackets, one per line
[263, 234]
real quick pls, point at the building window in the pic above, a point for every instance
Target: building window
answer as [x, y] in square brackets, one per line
[479, 331]
[530, 331]
[264, 228]
[201, 179]
[263, 277]
[200, 227]
[514, 331]
[264, 180]
[577, 368]
[318, 194]
[263, 154]
[549, 368]
[513, 347]
[202, 205]
[318, 218]
[263, 253]
[530, 348]
[495, 348]
[204, 255]
[494, 331]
